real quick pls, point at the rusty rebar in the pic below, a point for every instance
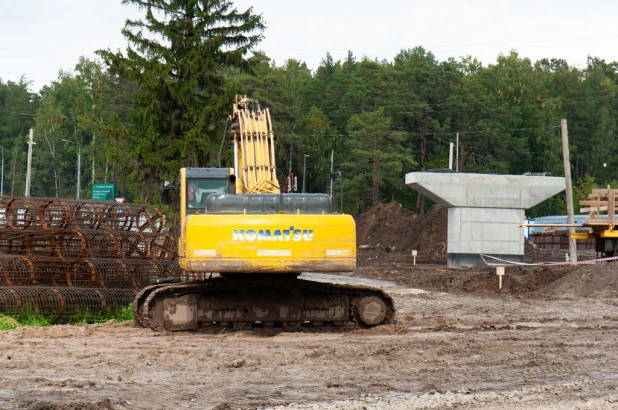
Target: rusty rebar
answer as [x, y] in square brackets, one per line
[130, 274]
[62, 305]
[85, 272]
[56, 213]
[62, 258]
[90, 243]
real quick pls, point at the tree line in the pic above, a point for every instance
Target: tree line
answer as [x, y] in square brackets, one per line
[140, 114]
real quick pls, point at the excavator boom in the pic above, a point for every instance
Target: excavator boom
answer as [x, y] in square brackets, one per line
[254, 148]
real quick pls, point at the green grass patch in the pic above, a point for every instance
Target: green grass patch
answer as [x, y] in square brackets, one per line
[8, 323]
[86, 317]
[27, 317]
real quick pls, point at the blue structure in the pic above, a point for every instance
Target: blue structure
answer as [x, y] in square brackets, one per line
[554, 219]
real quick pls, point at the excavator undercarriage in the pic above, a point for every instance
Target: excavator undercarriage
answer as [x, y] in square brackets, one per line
[267, 302]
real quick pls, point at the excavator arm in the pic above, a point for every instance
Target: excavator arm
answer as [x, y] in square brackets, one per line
[254, 148]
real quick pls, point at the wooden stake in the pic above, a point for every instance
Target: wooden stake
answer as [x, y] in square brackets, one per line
[414, 256]
[500, 273]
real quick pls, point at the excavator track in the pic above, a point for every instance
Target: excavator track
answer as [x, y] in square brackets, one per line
[263, 304]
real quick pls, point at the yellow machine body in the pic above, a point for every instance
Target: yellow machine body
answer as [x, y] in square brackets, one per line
[264, 241]
[269, 243]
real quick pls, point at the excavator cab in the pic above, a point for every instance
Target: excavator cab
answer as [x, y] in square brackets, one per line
[196, 184]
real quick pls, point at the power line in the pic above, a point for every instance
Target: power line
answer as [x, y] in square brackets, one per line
[404, 133]
[440, 110]
[525, 103]
[423, 107]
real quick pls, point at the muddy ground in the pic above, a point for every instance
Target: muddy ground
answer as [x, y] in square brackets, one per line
[547, 340]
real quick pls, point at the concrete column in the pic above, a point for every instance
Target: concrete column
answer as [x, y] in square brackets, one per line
[485, 211]
[475, 231]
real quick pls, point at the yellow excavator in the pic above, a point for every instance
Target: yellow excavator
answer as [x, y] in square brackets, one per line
[266, 249]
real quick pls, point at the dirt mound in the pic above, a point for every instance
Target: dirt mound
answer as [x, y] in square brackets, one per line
[599, 281]
[532, 252]
[394, 228]
[387, 225]
[433, 228]
[516, 281]
[397, 230]
[590, 281]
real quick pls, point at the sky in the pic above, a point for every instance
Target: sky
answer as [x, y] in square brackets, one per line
[38, 38]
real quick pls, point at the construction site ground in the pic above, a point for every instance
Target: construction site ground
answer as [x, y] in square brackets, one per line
[547, 340]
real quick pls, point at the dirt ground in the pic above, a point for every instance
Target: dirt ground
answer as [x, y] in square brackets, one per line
[547, 340]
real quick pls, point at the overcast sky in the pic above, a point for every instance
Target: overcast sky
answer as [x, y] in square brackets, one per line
[40, 37]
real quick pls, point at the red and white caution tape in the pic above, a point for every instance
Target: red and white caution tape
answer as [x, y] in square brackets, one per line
[505, 262]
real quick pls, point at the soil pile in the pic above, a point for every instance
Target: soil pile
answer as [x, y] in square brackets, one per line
[387, 226]
[598, 281]
[590, 281]
[433, 229]
[393, 228]
[593, 281]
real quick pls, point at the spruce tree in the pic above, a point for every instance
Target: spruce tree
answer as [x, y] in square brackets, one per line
[376, 157]
[178, 58]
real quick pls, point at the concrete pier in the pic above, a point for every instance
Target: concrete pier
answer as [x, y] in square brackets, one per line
[485, 211]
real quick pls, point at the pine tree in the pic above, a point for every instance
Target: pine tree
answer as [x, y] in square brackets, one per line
[376, 156]
[178, 57]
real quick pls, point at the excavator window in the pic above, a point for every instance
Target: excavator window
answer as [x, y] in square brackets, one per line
[198, 190]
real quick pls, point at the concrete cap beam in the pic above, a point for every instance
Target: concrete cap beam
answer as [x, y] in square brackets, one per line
[485, 191]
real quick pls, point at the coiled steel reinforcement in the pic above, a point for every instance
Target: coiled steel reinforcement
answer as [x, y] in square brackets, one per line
[55, 213]
[61, 305]
[64, 257]
[87, 243]
[86, 272]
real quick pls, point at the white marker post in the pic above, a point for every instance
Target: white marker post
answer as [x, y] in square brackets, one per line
[500, 273]
[414, 252]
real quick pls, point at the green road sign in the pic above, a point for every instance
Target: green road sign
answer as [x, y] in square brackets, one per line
[103, 192]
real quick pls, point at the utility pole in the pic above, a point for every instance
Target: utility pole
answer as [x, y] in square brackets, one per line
[29, 169]
[457, 155]
[304, 171]
[94, 138]
[14, 167]
[569, 189]
[289, 178]
[332, 160]
[79, 163]
[79, 166]
[2, 177]
[450, 156]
